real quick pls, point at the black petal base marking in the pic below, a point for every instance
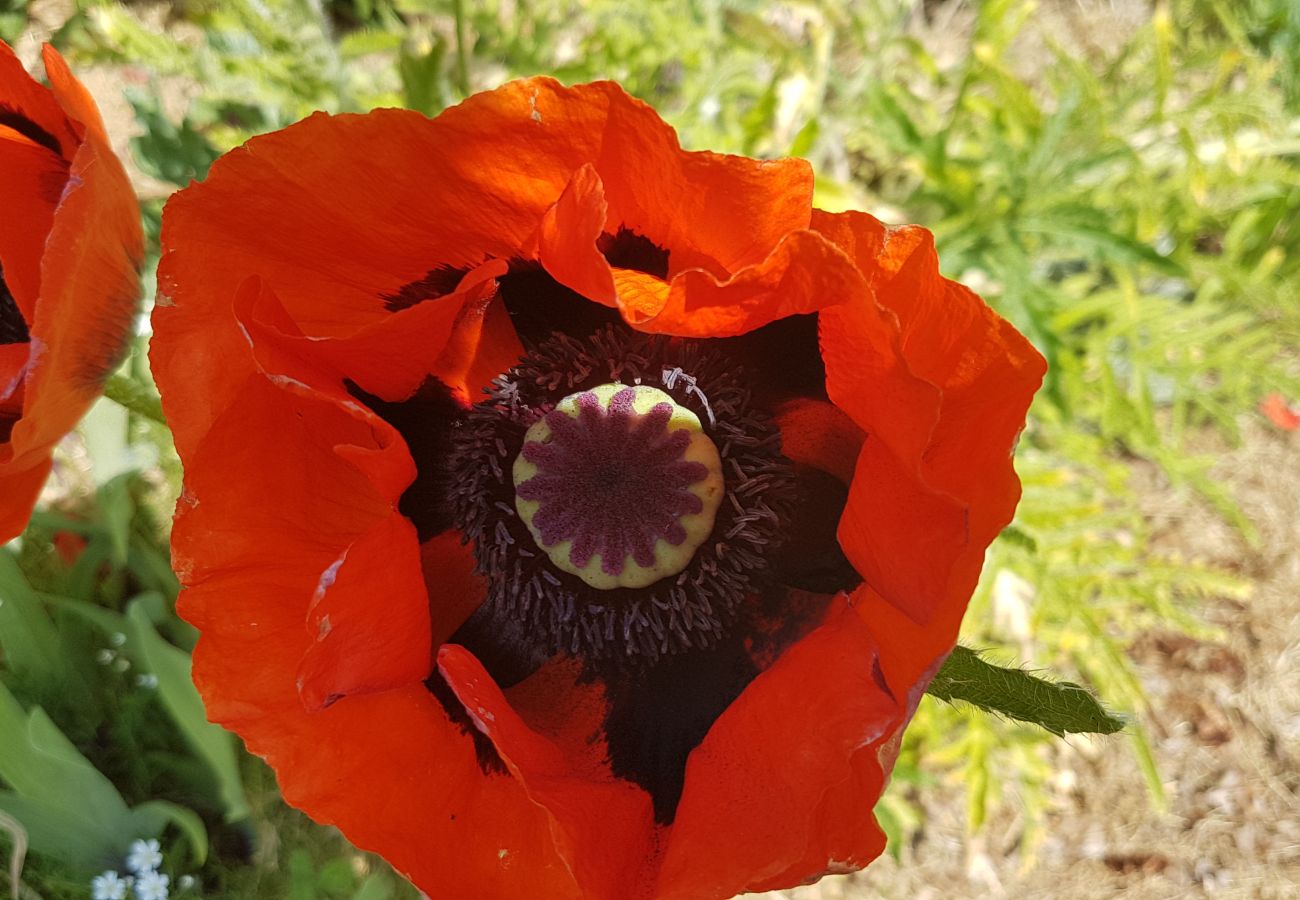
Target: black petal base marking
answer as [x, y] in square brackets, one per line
[13, 328]
[12, 118]
[659, 716]
[489, 761]
[426, 420]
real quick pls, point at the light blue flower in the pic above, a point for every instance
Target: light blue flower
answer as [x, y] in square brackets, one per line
[152, 886]
[109, 886]
[145, 856]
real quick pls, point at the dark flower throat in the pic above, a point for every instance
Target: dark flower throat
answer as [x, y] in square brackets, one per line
[674, 654]
[561, 612]
[13, 328]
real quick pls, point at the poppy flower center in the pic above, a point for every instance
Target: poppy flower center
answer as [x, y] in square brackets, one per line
[623, 495]
[618, 485]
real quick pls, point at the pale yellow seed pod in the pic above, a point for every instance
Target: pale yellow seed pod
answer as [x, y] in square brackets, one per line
[669, 559]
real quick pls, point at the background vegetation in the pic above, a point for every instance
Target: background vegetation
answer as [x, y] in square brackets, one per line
[1129, 199]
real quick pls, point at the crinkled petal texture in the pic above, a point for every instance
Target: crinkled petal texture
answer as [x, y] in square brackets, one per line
[356, 256]
[70, 250]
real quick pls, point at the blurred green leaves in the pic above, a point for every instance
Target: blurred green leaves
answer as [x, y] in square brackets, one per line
[69, 810]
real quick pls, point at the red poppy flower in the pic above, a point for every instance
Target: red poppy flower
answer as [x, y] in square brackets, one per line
[70, 250]
[646, 619]
[1278, 411]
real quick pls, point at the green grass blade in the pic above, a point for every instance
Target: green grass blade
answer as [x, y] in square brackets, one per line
[27, 634]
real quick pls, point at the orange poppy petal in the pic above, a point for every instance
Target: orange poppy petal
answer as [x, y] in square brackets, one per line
[14, 359]
[1278, 411]
[31, 181]
[20, 490]
[394, 751]
[342, 663]
[781, 790]
[454, 588]
[71, 94]
[819, 434]
[269, 506]
[389, 358]
[25, 98]
[603, 827]
[804, 273]
[942, 404]
[234, 476]
[568, 234]
[71, 250]
[368, 619]
[482, 344]
[90, 285]
[718, 212]
[278, 354]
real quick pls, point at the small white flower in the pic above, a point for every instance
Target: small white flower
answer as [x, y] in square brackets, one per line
[185, 882]
[145, 856]
[108, 886]
[151, 886]
[149, 681]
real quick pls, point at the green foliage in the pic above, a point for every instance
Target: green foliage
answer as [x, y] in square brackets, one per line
[68, 809]
[13, 19]
[170, 667]
[1061, 708]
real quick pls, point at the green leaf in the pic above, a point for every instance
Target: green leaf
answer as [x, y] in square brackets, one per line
[377, 886]
[152, 816]
[27, 634]
[171, 666]
[127, 392]
[117, 508]
[423, 87]
[177, 154]
[1018, 537]
[1060, 707]
[68, 808]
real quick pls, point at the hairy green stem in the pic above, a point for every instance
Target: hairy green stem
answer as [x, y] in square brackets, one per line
[1060, 707]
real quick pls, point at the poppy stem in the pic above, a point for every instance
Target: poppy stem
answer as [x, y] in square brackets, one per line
[137, 398]
[462, 63]
[1059, 706]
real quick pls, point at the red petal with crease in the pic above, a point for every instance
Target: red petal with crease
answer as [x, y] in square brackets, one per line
[259, 529]
[781, 790]
[946, 398]
[368, 620]
[602, 825]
